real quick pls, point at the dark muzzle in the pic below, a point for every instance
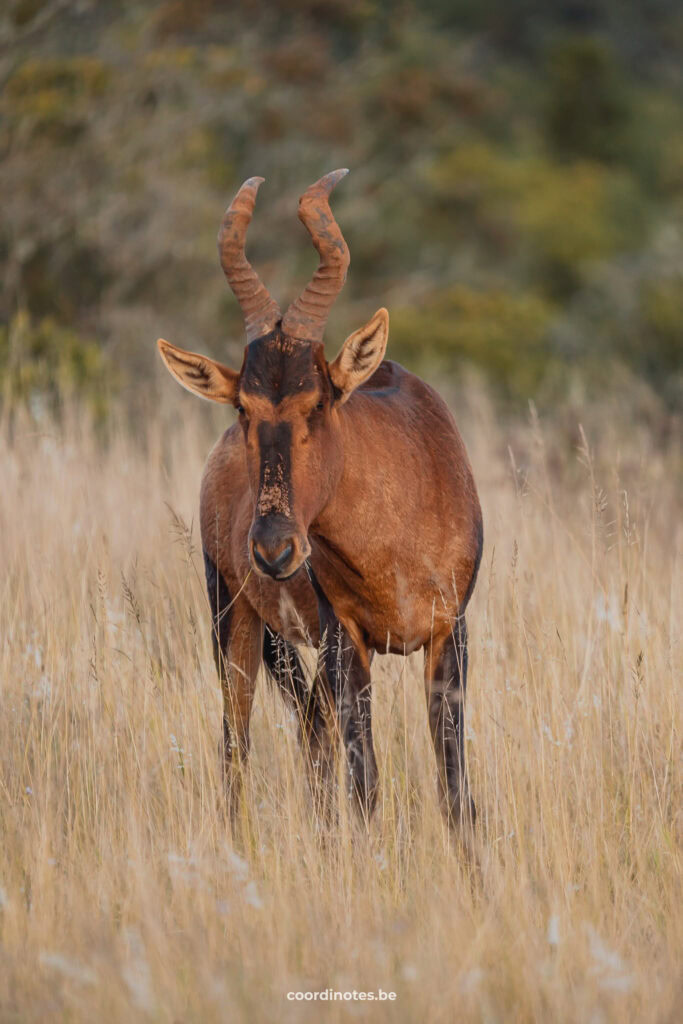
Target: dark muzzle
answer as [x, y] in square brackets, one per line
[272, 546]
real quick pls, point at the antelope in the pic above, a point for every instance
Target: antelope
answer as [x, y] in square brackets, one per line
[340, 511]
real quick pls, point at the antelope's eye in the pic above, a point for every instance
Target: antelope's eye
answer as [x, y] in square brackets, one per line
[320, 406]
[240, 409]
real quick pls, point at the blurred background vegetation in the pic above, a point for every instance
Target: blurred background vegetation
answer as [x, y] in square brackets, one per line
[516, 196]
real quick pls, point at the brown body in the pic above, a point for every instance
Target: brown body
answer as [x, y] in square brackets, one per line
[340, 511]
[397, 546]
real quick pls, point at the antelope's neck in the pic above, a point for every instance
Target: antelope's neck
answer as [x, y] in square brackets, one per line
[345, 527]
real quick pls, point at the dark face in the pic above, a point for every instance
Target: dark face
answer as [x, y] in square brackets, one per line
[285, 405]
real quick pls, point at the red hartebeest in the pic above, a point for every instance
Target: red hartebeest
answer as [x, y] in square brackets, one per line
[347, 490]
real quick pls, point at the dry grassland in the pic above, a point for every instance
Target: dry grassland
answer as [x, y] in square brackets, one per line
[123, 896]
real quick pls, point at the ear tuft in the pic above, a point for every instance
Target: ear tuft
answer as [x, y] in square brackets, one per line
[199, 374]
[361, 354]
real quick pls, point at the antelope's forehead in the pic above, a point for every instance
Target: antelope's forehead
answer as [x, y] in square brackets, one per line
[275, 368]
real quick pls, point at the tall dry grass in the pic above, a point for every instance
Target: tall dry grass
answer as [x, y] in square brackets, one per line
[122, 895]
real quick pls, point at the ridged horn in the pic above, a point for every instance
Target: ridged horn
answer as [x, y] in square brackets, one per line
[261, 313]
[307, 315]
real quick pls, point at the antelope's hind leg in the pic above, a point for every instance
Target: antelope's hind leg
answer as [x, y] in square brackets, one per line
[284, 665]
[236, 632]
[445, 676]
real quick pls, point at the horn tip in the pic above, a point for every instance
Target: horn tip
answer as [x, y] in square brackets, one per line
[250, 184]
[325, 184]
[334, 177]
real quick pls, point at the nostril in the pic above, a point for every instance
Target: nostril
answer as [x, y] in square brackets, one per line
[284, 556]
[259, 559]
[270, 562]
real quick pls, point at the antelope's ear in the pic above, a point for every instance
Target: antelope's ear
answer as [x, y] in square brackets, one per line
[204, 376]
[361, 354]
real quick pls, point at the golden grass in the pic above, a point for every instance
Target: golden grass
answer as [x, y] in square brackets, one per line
[122, 895]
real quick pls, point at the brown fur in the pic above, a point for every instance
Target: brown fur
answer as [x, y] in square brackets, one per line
[387, 500]
[341, 510]
[395, 551]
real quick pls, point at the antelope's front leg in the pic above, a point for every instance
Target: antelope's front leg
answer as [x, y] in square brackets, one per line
[237, 633]
[238, 677]
[347, 668]
[284, 665]
[353, 695]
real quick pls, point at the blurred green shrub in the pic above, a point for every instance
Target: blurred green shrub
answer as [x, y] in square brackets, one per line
[587, 108]
[53, 97]
[44, 365]
[61, 280]
[520, 151]
[662, 307]
[575, 215]
[652, 342]
[504, 334]
[554, 217]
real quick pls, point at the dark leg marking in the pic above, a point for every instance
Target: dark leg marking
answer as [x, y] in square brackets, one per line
[284, 665]
[348, 674]
[446, 703]
[219, 601]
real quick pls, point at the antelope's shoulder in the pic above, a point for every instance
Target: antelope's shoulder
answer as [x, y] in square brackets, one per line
[224, 480]
[392, 381]
[388, 378]
[407, 403]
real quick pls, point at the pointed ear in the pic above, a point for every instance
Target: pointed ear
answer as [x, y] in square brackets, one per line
[361, 354]
[204, 376]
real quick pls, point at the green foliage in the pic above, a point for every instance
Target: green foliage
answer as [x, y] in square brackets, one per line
[62, 280]
[575, 215]
[52, 98]
[43, 365]
[652, 341]
[587, 105]
[504, 334]
[516, 176]
[662, 307]
[560, 218]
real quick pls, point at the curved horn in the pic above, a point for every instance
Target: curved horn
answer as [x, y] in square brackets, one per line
[307, 316]
[261, 313]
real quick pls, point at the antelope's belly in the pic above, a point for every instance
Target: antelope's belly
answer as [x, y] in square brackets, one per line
[395, 610]
[397, 629]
